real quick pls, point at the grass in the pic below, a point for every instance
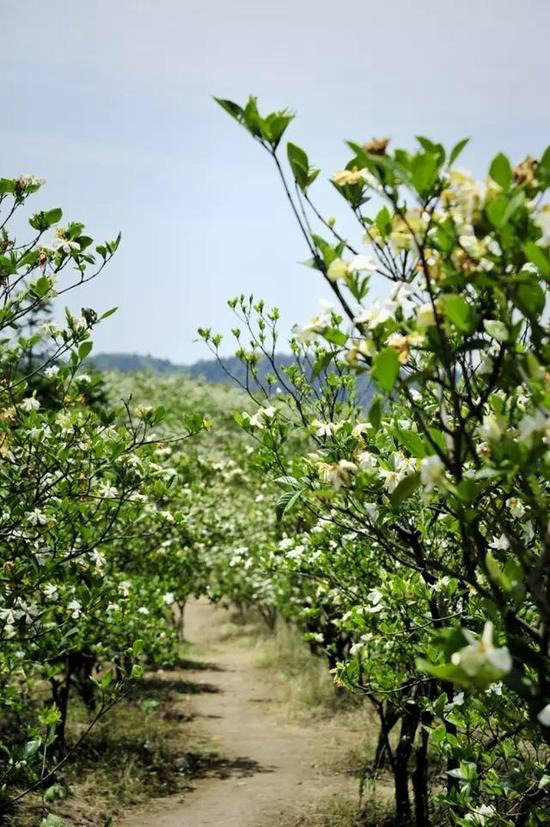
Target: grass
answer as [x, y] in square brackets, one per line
[303, 680]
[344, 812]
[137, 751]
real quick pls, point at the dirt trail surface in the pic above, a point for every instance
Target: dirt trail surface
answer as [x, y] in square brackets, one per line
[268, 766]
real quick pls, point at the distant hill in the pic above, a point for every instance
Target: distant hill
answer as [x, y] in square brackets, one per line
[135, 363]
[208, 369]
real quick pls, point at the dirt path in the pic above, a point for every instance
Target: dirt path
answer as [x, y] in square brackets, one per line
[273, 767]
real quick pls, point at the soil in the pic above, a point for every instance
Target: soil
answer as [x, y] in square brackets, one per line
[262, 769]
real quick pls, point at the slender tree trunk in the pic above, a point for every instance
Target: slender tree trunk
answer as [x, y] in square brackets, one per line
[409, 724]
[60, 692]
[181, 619]
[389, 716]
[420, 782]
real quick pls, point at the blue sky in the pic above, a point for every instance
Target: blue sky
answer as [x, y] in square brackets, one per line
[110, 101]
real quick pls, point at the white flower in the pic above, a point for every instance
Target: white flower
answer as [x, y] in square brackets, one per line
[336, 474]
[316, 324]
[500, 543]
[372, 511]
[107, 490]
[490, 428]
[98, 559]
[124, 588]
[458, 700]
[517, 509]
[30, 404]
[374, 316]
[169, 598]
[63, 245]
[542, 219]
[362, 263]
[52, 371]
[375, 598]
[143, 610]
[528, 532]
[400, 296]
[75, 608]
[337, 269]
[431, 471]
[37, 517]
[481, 658]
[361, 428]
[425, 316]
[366, 461]
[403, 465]
[544, 715]
[324, 429]
[50, 591]
[391, 479]
[258, 419]
[531, 425]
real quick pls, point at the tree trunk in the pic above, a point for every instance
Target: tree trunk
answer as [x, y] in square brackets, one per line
[60, 694]
[420, 782]
[409, 724]
[181, 619]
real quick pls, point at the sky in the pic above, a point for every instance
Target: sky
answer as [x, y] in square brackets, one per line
[111, 102]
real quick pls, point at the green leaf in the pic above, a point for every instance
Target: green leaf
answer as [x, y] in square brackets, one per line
[501, 171]
[321, 363]
[424, 169]
[496, 209]
[274, 126]
[375, 412]
[412, 442]
[460, 312]
[385, 368]
[232, 108]
[337, 337]
[405, 489]
[299, 165]
[138, 646]
[84, 349]
[438, 439]
[544, 163]
[6, 185]
[42, 221]
[108, 313]
[513, 204]
[496, 329]
[42, 286]
[285, 502]
[457, 149]
[53, 216]
[537, 256]
[383, 222]
[531, 298]
[31, 747]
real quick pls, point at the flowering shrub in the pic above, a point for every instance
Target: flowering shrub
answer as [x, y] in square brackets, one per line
[85, 502]
[422, 521]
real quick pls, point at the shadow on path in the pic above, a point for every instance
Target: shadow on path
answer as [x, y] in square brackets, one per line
[165, 685]
[214, 765]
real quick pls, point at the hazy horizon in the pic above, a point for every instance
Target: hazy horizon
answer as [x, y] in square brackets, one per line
[112, 105]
